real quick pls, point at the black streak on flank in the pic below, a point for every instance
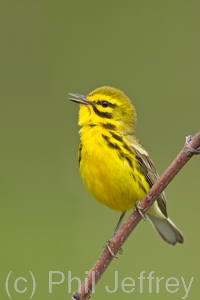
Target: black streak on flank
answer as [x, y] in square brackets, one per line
[110, 145]
[79, 153]
[102, 114]
[117, 137]
[129, 162]
[108, 126]
[126, 147]
[133, 176]
[128, 159]
[142, 187]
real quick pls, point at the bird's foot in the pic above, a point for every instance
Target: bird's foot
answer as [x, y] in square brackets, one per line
[138, 208]
[193, 151]
[107, 247]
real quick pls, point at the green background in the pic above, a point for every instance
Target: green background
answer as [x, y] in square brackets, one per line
[48, 221]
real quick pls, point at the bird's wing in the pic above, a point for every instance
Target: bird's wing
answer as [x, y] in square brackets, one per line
[149, 171]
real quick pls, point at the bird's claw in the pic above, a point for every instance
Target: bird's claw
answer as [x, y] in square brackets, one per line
[109, 249]
[138, 208]
[193, 151]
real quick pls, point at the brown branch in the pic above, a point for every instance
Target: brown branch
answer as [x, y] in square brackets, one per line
[191, 147]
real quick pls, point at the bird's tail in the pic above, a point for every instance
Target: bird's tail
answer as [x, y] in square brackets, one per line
[167, 230]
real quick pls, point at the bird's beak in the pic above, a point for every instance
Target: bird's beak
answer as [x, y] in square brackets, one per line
[78, 98]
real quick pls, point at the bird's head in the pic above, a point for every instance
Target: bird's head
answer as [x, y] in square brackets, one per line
[106, 105]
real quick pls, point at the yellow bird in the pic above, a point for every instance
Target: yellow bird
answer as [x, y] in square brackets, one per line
[115, 168]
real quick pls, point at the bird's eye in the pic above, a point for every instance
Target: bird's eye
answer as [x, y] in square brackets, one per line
[105, 103]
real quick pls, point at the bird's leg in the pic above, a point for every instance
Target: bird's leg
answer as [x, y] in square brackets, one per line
[118, 223]
[115, 231]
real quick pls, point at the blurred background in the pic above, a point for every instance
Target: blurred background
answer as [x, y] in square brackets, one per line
[48, 221]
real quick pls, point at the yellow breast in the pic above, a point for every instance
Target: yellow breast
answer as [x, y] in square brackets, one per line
[109, 171]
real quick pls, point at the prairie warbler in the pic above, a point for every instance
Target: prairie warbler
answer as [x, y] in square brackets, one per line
[114, 166]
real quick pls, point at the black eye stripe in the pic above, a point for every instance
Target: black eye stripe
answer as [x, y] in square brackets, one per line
[102, 114]
[105, 103]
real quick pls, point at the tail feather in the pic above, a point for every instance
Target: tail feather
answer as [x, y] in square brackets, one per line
[167, 230]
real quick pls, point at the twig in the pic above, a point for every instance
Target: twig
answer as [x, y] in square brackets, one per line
[192, 146]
